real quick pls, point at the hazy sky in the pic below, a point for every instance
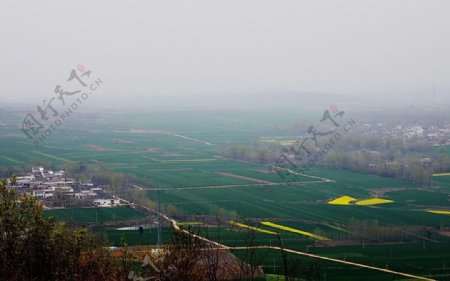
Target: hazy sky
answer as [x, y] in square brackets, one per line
[207, 48]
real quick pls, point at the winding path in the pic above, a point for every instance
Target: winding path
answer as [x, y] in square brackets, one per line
[219, 246]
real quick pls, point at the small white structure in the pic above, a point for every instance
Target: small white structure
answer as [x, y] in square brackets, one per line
[38, 169]
[43, 193]
[87, 184]
[85, 194]
[97, 189]
[25, 179]
[107, 202]
[59, 173]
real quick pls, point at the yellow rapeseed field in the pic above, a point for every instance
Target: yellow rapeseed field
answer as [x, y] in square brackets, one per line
[252, 228]
[284, 142]
[373, 201]
[343, 200]
[293, 230]
[190, 223]
[347, 200]
[439, 212]
[287, 142]
[442, 175]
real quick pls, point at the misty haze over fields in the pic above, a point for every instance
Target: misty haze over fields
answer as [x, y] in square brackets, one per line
[225, 140]
[235, 54]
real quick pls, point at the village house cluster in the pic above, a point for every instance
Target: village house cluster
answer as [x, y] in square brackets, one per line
[422, 135]
[51, 186]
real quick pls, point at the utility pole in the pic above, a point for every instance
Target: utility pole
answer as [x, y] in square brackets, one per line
[158, 190]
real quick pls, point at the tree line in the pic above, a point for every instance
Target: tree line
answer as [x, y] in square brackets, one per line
[381, 155]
